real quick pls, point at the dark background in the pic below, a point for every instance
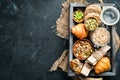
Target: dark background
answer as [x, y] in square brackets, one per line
[28, 44]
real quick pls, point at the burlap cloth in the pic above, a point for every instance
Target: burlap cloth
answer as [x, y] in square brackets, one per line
[62, 24]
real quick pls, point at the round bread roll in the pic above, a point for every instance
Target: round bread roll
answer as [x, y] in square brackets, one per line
[93, 15]
[93, 8]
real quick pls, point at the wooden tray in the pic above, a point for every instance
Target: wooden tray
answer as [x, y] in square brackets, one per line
[72, 39]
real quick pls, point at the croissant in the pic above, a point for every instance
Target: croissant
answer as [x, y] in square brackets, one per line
[103, 65]
[80, 31]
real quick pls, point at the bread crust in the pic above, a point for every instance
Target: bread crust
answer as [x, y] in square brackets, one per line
[93, 8]
[93, 15]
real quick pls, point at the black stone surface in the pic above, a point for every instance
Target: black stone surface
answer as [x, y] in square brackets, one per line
[28, 44]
